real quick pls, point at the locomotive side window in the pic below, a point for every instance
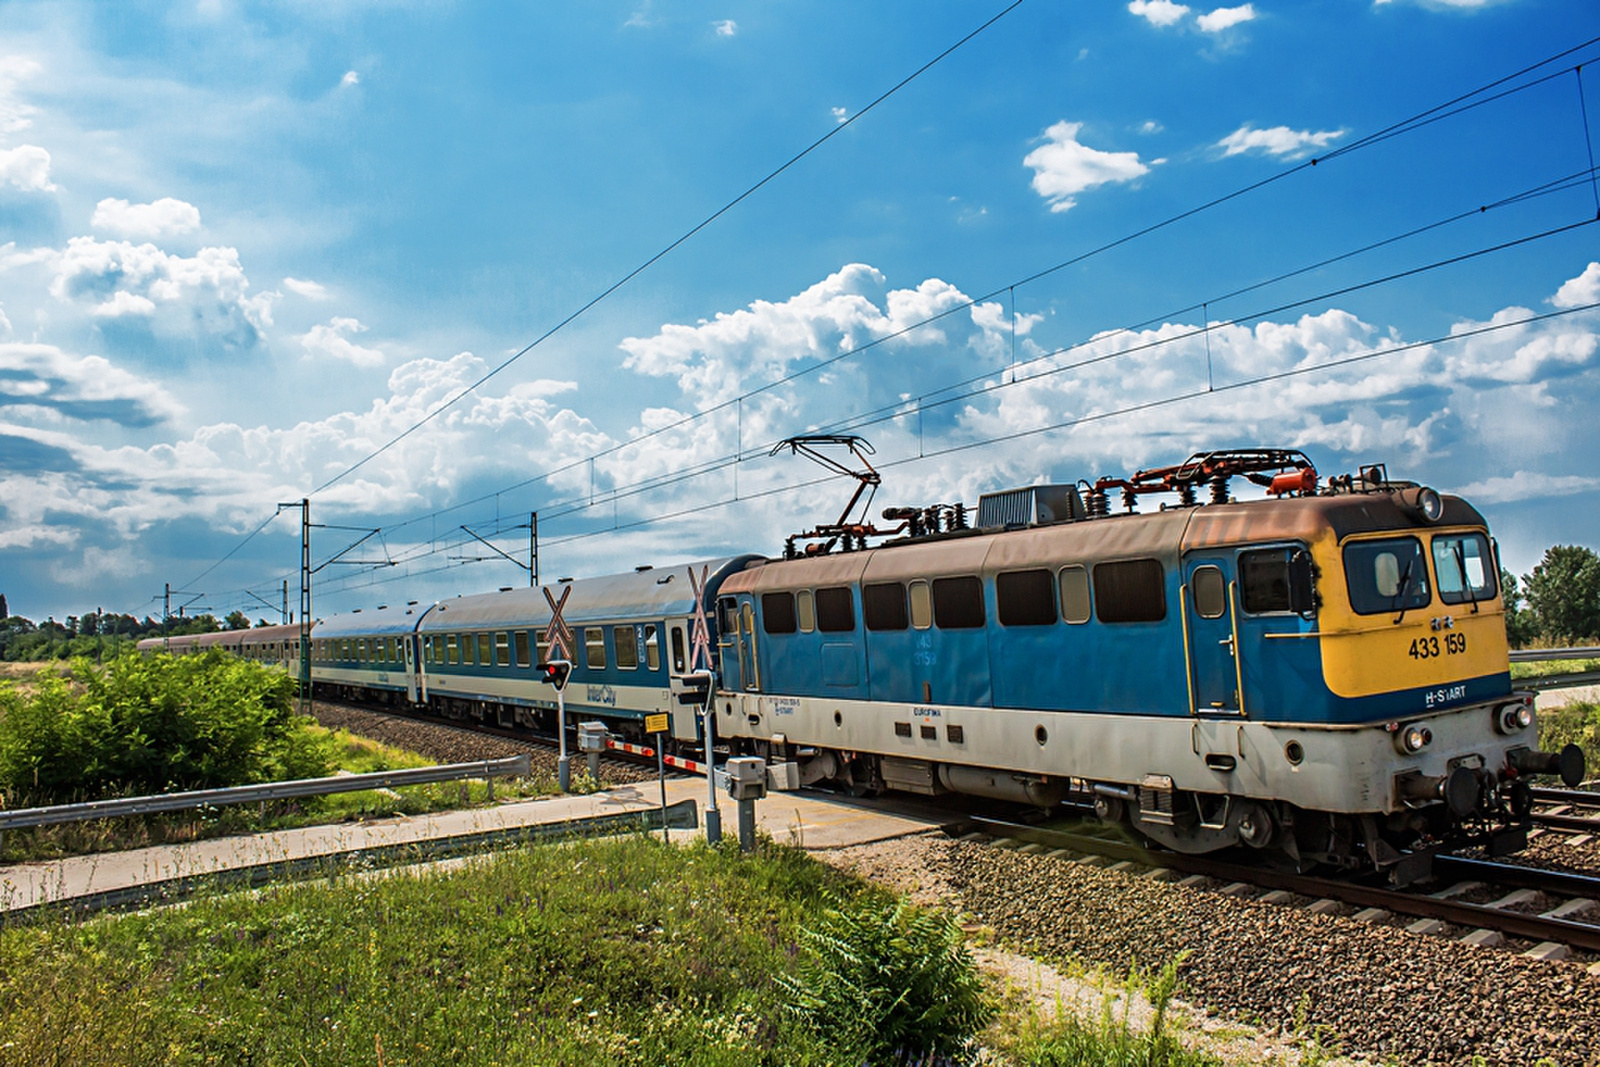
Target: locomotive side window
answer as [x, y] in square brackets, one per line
[777, 613]
[958, 603]
[835, 610]
[652, 648]
[1210, 592]
[1264, 580]
[1025, 598]
[883, 606]
[806, 609]
[1385, 576]
[1075, 604]
[627, 642]
[1463, 566]
[1130, 591]
[594, 645]
[921, 605]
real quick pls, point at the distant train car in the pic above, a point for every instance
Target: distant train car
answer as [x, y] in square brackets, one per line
[1322, 674]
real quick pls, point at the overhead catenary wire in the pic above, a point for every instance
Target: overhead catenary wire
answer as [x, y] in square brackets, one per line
[1464, 102]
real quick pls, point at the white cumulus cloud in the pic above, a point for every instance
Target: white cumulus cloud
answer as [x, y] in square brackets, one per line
[160, 218]
[1159, 12]
[725, 27]
[43, 377]
[15, 116]
[333, 341]
[1576, 292]
[1277, 141]
[1063, 167]
[1224, 18]
[27, 167]
[350, 78]
[309, 290]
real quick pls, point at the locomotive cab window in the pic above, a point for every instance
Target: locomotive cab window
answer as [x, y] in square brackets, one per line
[1385, 576]
[777, 613]
[1025, 598]
[1131, 590]
[836, 613]
[1264, 580]
[1210, 592]
[883, 606]
[1463, 566]
[958, 603]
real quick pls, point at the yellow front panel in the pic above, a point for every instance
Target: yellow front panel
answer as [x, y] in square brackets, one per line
[1431, 647]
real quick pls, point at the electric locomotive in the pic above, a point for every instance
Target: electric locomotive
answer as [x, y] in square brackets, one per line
[1322, 673]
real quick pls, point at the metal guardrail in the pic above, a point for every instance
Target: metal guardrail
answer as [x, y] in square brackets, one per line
[512, 767]
[1540, 655]
[679, 816]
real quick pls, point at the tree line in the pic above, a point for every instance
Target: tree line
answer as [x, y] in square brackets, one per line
[1558, 603]
[99, 635]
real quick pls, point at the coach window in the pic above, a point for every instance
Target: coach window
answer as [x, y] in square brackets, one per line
[1131, 590]
[541, 645]
[883, 606]
[777, 613]
[921, 604]
[520, 639]
[836, 612]
[652, 647]
[594, 645]
[806, 610]
[1210, 591]
[1025, 598]
[361, 650]
[452, 653]
[958, 603]
[627, 642]
[502, 649]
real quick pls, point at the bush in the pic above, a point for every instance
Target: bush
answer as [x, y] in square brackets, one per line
[137, 726]
[888, 981]
[1578, 724]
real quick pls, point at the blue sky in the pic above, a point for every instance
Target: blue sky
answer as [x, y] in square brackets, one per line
[243, 246]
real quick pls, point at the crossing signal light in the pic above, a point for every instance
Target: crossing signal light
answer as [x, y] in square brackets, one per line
[693, 688]
[555, 673]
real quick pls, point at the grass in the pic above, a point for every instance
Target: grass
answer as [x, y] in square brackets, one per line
[624, 951]
[353, 754]
[1577, 723]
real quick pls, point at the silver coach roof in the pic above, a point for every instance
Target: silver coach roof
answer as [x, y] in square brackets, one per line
[381, 621]
[656, 593]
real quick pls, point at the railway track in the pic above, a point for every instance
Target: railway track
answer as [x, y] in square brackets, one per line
[1574, 811]
[1486, 902]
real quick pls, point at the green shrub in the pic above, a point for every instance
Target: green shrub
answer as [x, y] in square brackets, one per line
[138, 725]
[888, 981]
[1578, 724]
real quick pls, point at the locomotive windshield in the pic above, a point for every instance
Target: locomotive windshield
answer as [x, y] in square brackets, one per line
[1464, 566]
[1385, 576]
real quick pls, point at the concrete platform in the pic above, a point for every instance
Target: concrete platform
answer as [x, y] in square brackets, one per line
[808, 820]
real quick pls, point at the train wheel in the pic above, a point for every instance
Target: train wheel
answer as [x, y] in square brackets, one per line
[1109, 809]
[1257, 828]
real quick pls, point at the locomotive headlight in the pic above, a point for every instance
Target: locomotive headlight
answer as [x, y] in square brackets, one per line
[1411, 739]
[1513, 718]
[1424, 501]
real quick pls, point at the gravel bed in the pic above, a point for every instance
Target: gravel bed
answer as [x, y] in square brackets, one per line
[454, 744]
[1383, 991]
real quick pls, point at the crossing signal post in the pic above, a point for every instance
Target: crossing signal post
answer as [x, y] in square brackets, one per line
[697, 689]
[556, 672]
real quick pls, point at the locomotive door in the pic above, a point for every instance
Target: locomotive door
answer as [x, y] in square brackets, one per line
[1211, 636]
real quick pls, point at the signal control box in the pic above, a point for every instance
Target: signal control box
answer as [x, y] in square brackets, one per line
[747, 778]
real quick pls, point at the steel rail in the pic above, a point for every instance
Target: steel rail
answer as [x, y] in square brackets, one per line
[1535, 928]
